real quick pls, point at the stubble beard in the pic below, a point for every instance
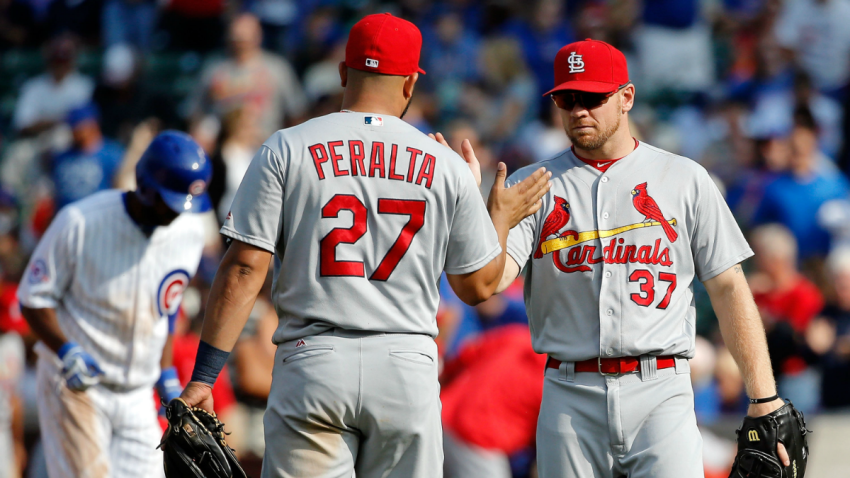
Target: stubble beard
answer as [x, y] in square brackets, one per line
[591, 141]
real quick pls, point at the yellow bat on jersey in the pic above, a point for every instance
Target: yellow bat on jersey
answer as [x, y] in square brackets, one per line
[559, 243]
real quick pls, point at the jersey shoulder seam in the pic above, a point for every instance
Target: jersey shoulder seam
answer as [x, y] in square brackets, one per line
[668, 154]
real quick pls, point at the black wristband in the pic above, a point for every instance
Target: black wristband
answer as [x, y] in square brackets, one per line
[756, 401]
[208, 363]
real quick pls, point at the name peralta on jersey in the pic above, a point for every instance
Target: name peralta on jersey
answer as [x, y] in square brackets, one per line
[363, 213]
[610, 256]
[114, 288]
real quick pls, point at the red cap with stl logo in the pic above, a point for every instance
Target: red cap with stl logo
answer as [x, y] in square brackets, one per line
[382, 43]
[590, 65]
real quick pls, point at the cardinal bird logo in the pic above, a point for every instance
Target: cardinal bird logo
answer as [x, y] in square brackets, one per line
[558, 218]
[647, 206]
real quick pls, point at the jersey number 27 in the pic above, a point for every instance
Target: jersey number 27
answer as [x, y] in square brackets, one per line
[330, 267]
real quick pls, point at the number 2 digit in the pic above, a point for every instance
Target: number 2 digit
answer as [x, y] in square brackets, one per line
[329, 266]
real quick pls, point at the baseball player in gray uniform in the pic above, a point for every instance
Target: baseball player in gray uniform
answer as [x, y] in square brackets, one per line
[609, 261]
[101, 291]
[362, 213]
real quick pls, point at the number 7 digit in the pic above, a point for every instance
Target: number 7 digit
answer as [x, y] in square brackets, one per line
[671, 278]
[416, 211]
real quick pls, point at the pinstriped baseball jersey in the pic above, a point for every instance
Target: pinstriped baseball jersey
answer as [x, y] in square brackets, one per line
[113, 288]
[611, 256]
[363, 212]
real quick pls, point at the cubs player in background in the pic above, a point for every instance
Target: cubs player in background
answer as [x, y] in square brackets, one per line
[102, 291]
[609, 260]
[362, 213]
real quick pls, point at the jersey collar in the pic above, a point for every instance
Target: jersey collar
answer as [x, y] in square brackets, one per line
[601, 164]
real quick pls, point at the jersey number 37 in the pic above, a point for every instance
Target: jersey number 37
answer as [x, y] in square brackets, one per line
[331, 267]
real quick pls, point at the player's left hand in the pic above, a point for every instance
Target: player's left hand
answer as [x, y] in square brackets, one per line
[79, 369]
[762, 409]
[511, 205]
[197, 394]
[168, 386]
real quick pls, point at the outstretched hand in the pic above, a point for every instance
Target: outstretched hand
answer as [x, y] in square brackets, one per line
[512, 205]
[506, 205]
[467, 153]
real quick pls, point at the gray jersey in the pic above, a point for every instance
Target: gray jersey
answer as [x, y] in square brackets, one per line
[363, 213]
[611, 256]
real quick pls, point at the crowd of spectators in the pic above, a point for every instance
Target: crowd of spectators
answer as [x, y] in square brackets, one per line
[754, 90]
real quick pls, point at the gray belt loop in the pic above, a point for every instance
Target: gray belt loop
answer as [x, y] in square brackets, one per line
[648, 368]
[567, 372]
[682, 365]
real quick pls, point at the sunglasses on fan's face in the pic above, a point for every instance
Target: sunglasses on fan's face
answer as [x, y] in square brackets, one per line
[567, 100]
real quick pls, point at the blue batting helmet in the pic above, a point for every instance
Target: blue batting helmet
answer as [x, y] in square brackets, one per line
[176, 167]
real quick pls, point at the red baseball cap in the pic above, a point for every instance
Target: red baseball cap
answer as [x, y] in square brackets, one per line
[382, 43]
[590, 65]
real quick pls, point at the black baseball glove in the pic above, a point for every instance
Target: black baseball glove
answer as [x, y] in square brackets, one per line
[194, 445]
[757, 440]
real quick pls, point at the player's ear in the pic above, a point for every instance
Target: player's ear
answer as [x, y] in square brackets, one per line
[343, 74]
[409, 83]
[628, 98]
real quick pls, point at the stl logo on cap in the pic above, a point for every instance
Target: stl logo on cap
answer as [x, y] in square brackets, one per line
[591, 66]
[576, 63]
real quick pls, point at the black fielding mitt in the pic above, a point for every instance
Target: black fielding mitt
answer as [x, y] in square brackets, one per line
[194, 445]
[757, 441]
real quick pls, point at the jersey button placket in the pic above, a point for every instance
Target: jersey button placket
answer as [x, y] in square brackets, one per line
[605, 201]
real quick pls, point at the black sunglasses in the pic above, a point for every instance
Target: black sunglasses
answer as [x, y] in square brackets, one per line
[567, 100]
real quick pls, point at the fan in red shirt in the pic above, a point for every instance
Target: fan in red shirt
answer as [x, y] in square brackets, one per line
[491, 395]
[787, 300]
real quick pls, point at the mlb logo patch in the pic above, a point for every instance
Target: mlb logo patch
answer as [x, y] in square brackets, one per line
[300, 343]
[374, 120]
[371, 63]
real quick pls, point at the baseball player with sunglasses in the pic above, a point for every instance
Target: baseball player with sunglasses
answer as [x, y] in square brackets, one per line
[609, 262]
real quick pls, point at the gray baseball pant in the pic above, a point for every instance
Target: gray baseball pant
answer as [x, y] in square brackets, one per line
[348, 401]
[635, 425]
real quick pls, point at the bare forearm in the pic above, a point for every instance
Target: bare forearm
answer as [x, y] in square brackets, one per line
[234, 290]
[167, 358]
[478, 286]
[509, 275]
[18, 432]
[44, 324]
[743, 332]
[496, 267]
[231, 299]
